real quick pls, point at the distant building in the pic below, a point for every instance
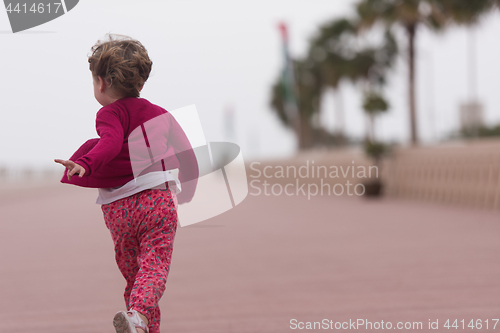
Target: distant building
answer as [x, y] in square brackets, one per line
[471, 116]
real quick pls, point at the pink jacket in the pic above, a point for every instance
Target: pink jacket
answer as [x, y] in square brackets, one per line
[107, 161]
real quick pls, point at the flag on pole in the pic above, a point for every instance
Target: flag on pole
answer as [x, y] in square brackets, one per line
[288, 78]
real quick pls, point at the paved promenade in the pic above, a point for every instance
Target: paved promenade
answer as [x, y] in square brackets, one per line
[256, 267]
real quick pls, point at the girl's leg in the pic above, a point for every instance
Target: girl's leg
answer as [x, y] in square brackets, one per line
[156, 236]
[126, 258]
[119, 222]
[143, 228]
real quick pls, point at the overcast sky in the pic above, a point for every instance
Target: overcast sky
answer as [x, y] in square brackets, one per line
[215, 54]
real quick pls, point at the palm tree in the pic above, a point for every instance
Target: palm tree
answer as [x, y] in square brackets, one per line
[329, 51]
[334, 55]
[338, 54]
[410, 14]
[308, 89]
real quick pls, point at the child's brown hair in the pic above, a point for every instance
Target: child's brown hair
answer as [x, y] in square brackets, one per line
[123, 62]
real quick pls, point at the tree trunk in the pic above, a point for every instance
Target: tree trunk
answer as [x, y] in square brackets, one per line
[304, 131]
[371, 117]
[339, 112]
[411, 30]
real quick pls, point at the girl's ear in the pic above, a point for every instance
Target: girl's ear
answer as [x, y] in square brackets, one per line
[102, 84]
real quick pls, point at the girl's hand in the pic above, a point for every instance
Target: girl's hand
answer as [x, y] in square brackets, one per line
[72, 167]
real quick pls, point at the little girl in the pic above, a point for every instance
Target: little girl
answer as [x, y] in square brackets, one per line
[139, 203]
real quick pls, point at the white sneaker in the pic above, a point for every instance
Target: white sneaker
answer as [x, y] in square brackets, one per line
[128, 321]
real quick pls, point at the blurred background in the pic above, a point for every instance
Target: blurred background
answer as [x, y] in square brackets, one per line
[278, 78]
[410, 87]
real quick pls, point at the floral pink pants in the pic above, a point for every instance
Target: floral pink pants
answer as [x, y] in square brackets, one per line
[143, 228]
